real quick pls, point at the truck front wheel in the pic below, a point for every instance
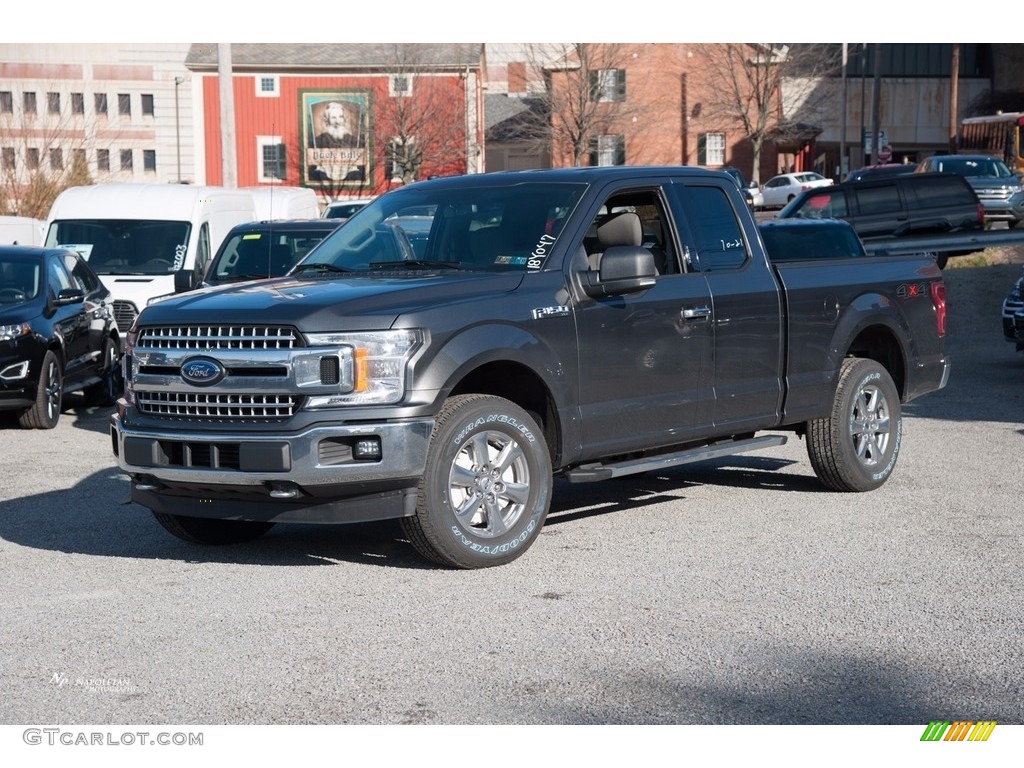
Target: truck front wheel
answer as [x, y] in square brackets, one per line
[486, 489]
[855, 449]
[201, 530]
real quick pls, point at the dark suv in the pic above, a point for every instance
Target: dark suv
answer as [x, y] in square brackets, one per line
[898, 206]
[258, 249]
[997, 187]
[57, 334]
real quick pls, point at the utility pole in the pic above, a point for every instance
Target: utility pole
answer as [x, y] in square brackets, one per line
[876, 104]
[954, 88]
[842, 106]
[177, 123]
[225, 82]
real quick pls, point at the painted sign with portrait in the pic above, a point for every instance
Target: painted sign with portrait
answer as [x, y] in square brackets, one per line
[335, 130]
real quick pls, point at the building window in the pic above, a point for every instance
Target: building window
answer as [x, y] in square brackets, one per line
[608, 85]
[608, 149]
[124, 104]
[101, 103]
[79, 159]
[9, 162]
[6, 102]
[149, 160]
[32, 158]
[266, 85]
[53, 103]
[272, 158]
[147, 104]
[711, 149]
[30, 102]
[400, 85]
[78, 103]
[56, 159]
[103, 159]
[126, 159]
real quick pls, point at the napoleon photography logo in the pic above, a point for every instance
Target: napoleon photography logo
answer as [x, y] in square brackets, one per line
[960, 730]
[103, 684]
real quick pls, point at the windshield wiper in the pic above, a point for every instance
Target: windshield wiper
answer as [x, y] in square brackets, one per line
[414, 264]
[320, 267]
[239, 278]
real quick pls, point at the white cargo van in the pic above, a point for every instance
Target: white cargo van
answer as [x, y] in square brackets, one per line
[284, 203]
[22, 230]
[143, 238]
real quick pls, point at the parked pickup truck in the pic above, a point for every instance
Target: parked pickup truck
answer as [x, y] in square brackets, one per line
[462, 340]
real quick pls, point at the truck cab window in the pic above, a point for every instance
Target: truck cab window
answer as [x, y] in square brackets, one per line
[716, 232]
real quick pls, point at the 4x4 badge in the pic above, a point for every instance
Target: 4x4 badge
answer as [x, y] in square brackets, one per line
[202, 371]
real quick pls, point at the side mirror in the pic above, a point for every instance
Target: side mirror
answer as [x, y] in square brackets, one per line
[624, 269]
[69, 296]
[183, 280]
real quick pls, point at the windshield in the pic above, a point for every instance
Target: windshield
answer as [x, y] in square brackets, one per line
[249, 255]
[504, 227]
[124, 246]
[985, 167]
[19, 280]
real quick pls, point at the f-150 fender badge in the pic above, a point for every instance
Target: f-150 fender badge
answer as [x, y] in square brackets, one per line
[202, 371]
[541, 312]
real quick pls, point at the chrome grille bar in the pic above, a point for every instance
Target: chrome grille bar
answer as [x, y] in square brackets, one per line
[218, 337]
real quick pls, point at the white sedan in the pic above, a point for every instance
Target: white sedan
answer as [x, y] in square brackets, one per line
[779, 190]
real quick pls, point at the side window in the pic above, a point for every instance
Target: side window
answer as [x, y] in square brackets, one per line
[57, 277]
[635, 218]
[827, 204]
[80, 274]
[716, 232]
[880, 199]
[202, 251]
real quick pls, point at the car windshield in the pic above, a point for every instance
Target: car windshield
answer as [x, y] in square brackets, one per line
[342, 210]
[268, 253]
[975, 167]
[509, 226]
[19, 280]
[124, 246]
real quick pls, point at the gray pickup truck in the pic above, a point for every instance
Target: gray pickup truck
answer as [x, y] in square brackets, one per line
[461, 341]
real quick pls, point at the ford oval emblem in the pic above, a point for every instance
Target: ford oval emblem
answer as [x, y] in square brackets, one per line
[202, 371]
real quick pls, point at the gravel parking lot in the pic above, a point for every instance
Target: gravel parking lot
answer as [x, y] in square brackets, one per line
[736, 591]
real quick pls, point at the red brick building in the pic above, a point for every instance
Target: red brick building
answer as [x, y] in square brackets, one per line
[342, 119]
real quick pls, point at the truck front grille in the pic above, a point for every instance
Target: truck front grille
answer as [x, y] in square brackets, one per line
[217, 407]
[210, 337]
[124, 315]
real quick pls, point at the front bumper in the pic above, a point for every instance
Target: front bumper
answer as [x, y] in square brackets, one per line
[310, 476]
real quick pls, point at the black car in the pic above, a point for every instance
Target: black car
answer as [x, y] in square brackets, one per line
[259, 249]
[897, 206]
[57, 334]
[741, 183]
[1013, 314]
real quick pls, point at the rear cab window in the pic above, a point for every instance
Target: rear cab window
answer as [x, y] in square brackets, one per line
[716, 239]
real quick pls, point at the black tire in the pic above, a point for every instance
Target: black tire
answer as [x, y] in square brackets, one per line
[941, 259]
[202, 530]
[472, 512]
[855, 449]
[45, 413]
[108, 389]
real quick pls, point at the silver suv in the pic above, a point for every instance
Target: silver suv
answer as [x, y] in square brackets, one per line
[998, 188]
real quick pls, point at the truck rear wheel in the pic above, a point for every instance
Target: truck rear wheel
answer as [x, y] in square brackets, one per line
[486, 489]
[202, 530]
[855, 449]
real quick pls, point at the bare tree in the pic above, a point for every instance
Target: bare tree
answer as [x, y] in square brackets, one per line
[42, 152]
[421, 125]
[764, 89]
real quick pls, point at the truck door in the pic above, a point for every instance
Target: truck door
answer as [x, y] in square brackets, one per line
[746, 306]
[644, 359]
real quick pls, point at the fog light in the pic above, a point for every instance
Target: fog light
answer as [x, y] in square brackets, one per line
[367, 449]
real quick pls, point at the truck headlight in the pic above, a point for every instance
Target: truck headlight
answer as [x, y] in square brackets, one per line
[371, 366]
[8, 332]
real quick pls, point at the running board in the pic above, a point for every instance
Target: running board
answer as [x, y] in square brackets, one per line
[590, 473]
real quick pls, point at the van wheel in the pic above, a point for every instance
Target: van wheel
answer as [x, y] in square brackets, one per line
[486, 489]
[45, 413]
[856, 448]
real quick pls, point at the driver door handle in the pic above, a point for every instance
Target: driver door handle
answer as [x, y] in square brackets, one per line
[696, 313]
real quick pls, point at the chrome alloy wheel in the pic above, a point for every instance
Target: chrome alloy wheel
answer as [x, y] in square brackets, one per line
[489, 484]
[870, 425]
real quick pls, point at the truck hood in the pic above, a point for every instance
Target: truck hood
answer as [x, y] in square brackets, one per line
[359, 302]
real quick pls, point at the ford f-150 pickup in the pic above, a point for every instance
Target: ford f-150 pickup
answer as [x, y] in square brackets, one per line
[460, 341]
